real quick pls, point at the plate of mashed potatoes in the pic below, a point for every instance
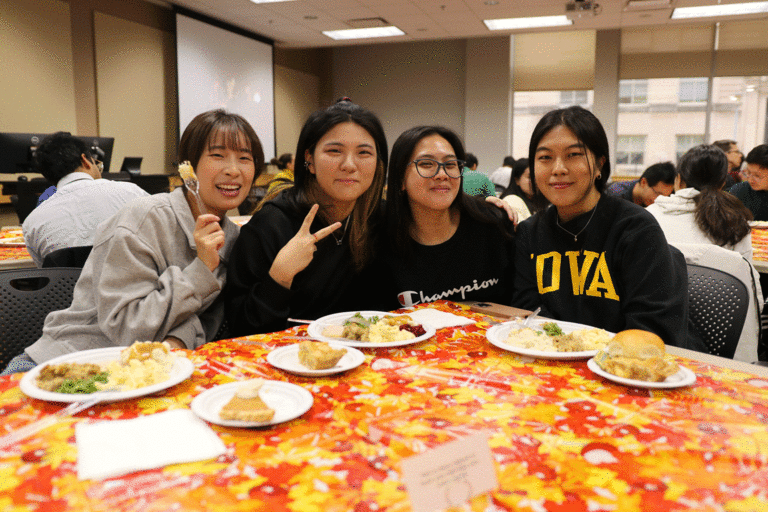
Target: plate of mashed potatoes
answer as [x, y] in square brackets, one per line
[110, 372]
[549, 339]
[369, 329]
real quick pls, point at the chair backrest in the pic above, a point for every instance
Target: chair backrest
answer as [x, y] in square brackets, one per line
[724, 300]
[718, 305]
[68, 257]
[26, 297]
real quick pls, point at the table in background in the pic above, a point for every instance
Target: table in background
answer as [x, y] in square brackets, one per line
[16, 256]
[562, 437]
[760, 249]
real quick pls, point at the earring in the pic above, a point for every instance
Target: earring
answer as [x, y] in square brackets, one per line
[306, 165]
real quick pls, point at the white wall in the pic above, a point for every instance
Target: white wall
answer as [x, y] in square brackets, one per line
[135, 78]
[487, 106]
[606, 85]
[297, 95]
[405, 84]
[37, 90]
[462, 84]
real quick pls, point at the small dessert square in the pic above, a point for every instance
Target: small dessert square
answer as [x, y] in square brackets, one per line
[319, 355]
[246, 405]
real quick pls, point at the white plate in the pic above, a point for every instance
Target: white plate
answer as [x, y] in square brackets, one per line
[497, 335]
[315, 330]
[287, 359]
[182, 369]
[288, 400]
[684, 377]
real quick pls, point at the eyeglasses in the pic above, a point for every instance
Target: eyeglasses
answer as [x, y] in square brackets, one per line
[100, 165]
[428, 168]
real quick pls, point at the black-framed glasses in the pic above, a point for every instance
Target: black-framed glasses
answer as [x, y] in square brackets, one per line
[428, 168]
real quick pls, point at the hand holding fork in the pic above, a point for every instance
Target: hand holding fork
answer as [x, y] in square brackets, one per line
[190, 181]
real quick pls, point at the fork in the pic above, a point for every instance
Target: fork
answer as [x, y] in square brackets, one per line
[530, 317]
[190, 181]
[36, 426]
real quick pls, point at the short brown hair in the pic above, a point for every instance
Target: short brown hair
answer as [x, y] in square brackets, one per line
[724, 144]
[202, 131]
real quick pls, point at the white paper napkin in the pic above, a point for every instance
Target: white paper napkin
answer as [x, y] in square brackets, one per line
[111, 448]
[438, 319]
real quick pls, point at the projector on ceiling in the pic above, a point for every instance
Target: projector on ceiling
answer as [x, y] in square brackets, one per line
[580, 8]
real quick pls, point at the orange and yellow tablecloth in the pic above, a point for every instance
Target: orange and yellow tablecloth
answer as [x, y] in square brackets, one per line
[562, 438]
[760, 244]
[13, 255]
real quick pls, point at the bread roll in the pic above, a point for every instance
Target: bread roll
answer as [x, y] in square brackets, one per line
[636, 354]
[636, 344]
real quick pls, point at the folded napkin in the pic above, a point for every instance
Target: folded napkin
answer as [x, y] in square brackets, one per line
[438, 319]
[112, 448]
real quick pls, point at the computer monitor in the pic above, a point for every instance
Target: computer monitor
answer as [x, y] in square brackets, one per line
[105, 144]
[132, 165]
[18, 149]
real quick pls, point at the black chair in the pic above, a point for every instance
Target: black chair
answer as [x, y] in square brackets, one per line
[25, 198]
[718, 304]
[68, 257]
[26, 297]
[152, 183]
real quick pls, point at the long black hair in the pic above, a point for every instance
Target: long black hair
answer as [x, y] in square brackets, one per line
[718, 214]
[399, 214]
[303, 193]
[535, 203]
[282, 161]
[588, 131]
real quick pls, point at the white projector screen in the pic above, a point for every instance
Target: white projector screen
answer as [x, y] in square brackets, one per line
[222, 69]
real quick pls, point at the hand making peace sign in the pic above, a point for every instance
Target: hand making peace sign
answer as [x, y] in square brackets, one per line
[299, 251]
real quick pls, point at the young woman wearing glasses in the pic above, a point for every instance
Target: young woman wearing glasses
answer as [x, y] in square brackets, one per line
[441, 243]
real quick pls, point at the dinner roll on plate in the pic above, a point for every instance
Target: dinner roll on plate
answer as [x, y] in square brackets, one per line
[636, 354]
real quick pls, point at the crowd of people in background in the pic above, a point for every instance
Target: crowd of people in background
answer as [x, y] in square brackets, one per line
[172, 267]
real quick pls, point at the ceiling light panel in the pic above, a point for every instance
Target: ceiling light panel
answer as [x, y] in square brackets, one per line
[529, 22]
[364, 33]
[709, 11]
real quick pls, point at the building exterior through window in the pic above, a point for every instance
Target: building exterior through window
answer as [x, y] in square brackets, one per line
[660, 119]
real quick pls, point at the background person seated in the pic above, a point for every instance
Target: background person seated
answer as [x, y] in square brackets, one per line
[520, 194]
[473, 181]
[657, 180]
[700, 212]
[81, 202]
[735, 158]
[753, 193]
[285, 171]
[502, 176]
